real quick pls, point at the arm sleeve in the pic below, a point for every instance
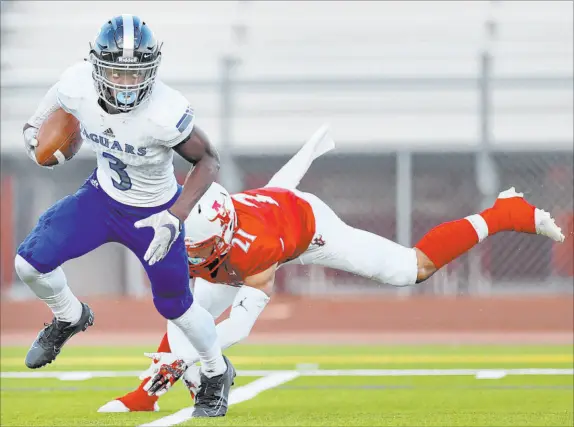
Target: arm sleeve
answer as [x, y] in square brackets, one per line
[47, 106]
[247, 306]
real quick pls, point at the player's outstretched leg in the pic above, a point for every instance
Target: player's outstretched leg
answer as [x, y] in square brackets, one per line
[139, 400]
[510, 212]
[211, 399]
[69, 229]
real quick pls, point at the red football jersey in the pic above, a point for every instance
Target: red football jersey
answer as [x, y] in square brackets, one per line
[274, 226]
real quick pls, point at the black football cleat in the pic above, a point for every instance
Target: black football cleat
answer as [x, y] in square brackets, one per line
[52, 338]
[212, 397]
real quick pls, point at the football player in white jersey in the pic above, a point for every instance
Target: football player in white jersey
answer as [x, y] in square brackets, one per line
[134, 123]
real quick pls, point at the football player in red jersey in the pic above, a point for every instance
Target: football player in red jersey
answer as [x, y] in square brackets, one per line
[244, 238]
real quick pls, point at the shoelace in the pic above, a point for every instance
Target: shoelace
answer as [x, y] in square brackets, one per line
[49, 331]
[207, 389]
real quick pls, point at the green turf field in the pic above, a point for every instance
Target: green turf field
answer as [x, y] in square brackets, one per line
[320, 385]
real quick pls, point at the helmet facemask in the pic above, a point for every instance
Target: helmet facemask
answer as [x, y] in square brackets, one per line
[206, 255]
[211, 230]
[124, 86]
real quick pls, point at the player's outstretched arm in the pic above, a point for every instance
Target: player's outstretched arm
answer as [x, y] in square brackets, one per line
[246, 309]
[197, 150]
[169, 367]
[247, 306]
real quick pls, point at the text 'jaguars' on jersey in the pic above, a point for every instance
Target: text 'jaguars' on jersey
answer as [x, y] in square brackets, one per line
[134, 149]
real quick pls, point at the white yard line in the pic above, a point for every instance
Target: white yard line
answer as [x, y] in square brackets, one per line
[429, 372]
[273, 378]
[238, 395]
[84, 375]
[70, 375]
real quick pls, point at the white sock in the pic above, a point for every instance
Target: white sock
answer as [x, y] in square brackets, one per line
[199, 328]
[65, 306]
[212, 362]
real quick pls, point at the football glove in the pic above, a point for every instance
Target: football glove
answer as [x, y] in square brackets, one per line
[166, 227]
[167, 372]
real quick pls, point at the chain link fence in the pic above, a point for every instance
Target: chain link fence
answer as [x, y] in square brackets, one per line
[546, 180]
[367, 187]
[362, 189]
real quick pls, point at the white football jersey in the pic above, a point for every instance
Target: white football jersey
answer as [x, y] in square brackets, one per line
[134, 149]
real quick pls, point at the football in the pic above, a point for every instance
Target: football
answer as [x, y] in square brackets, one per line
[59, 139]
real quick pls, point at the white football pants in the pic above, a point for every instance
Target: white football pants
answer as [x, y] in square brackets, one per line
[356, 251]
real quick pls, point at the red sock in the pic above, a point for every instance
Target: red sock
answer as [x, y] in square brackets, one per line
[450, 240]
[447, 241]
[513, 214]
[164, 345]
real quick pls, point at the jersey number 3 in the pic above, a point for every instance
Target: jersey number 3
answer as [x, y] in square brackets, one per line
[119, 167]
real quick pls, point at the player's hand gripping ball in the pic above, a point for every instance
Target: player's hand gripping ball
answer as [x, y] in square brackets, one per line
[58, 139]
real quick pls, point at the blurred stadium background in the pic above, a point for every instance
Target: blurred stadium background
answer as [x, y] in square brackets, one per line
[435, 107]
